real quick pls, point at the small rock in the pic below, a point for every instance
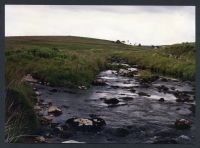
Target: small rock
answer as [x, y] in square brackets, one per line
[40, 139]
[45, 120]
[183, 124]
[111, 101]
[133, 90]
[82, 87]
[143, 94]
[161, 100]
[183, 139]
[163, 88]
[84, 124]
[54, 110]
[99, 82]
[37, 108]
[35, 89]
[126, 98]
[38, 93]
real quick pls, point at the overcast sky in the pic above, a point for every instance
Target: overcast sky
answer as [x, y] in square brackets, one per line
[148, 25]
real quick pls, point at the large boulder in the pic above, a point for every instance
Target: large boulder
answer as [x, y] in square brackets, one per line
[182, 124]
[85, 124]
[54, 110]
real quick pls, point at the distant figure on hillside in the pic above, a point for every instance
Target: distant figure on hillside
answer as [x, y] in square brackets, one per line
[139, 45]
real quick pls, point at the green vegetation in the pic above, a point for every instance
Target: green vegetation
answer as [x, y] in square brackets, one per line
[147, 76]
[74, 61]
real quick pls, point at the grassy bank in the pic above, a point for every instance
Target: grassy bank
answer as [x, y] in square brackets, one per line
[75, 61]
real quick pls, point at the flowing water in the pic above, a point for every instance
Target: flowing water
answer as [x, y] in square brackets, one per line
[145, 118]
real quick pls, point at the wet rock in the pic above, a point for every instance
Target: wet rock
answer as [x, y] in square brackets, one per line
[182, 97]
[111, 101]
[143, 94]
[183, 124]
[45, 120]
[127, 73]
[99, 82]
[183, 139]
[164, 79]
[53, 90]
[85, 124]
[163, 88]
[82, 87]
[37, 108]
[173, 88]
[161, 100]
[103, 98]
[72, 141]
[126, 98]
[38, 93]
[120, 132]
[40, 139]
[133, 90]
[144, 85]
[35, 89]
[54, 110]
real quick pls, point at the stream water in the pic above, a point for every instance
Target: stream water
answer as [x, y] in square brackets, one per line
[145, 118]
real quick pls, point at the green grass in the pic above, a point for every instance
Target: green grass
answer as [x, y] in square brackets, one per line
[73, 61]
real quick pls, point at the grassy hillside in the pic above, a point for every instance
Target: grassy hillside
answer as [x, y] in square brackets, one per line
[74, 61]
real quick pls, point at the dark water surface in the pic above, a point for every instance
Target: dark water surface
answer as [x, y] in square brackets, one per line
[146, 119]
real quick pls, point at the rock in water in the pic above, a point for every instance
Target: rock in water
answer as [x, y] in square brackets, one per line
[111, 101]
[45, 120]
[40, 139]
[99, 82]
[143, 94]
[161, 100]
[54, 110]
[183, 124]
[84, 124]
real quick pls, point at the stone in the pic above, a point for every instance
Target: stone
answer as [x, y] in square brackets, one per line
[40, 139]
[99, 82]
[143, 94]
[126, 98]
[163, 88]
[45, 120]
[37, 108]
[111, 101]
[38, 93]
[183, 124]
[54, 110]
[161, 100]
[85, 124]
